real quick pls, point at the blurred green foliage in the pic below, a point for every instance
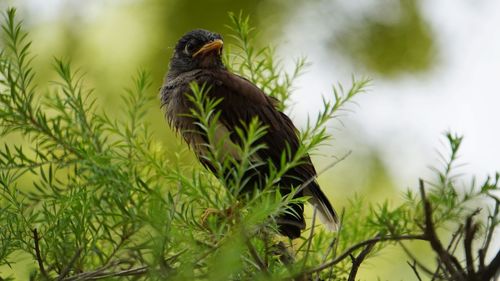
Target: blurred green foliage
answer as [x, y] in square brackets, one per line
[393, 39]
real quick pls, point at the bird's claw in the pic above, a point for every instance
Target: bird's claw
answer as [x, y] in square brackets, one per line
[208, 213]
[227, 213]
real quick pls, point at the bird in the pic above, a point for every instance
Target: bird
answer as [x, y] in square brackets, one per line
[197, 58]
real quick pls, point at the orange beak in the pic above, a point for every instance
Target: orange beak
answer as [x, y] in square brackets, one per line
[215, 45]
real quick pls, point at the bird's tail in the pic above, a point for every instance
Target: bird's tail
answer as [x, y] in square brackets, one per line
[326, 212]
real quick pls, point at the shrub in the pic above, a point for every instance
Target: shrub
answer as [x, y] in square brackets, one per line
[86, 196]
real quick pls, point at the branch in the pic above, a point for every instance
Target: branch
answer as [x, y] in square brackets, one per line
[38, 254]
[415, 260]
[450, 262]
[452, 247]
[67, 269]
[470, 230]
[356, 262]
[414, 268]
[489, 233]
[255, 256]
[333, 245]
[456, 237]
[492, 269]
[494, 266]
[100, 274]
[328, 167]
[375, 240]
[313, 223]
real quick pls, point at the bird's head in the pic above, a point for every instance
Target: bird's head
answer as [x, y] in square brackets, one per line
[197, 49]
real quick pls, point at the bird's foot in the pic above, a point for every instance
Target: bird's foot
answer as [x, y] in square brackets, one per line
[208, 213]
[212, 212]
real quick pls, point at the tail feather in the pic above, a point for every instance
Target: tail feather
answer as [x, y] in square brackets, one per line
[326, 212]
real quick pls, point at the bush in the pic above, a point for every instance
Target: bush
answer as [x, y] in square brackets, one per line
[86, 196]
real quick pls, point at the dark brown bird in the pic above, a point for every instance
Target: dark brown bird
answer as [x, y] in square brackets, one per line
[197, 58]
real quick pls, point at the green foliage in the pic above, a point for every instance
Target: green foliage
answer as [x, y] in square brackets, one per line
[399, 42]
[87, 196]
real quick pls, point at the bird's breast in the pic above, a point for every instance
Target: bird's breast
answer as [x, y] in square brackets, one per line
[216, 144]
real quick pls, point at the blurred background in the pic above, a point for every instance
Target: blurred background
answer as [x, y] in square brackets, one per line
[434, 65]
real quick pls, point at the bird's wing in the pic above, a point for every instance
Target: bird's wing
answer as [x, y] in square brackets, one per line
[242, 101]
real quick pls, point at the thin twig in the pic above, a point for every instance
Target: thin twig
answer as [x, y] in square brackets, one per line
[436, 274]
[408, 252]
[337, 242]
[100, 274]
[256, 257]
[38, 254]
[328, 167]
[356, 262]
[455, 239]
[309, 240]
[33, 165]
[330, 248]
[414, 268]
[88, 274]
[67, 269]
[125, 235]
[412, 256]
[266, 246]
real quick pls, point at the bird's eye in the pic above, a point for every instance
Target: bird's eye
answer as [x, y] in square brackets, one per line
[188, 49]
